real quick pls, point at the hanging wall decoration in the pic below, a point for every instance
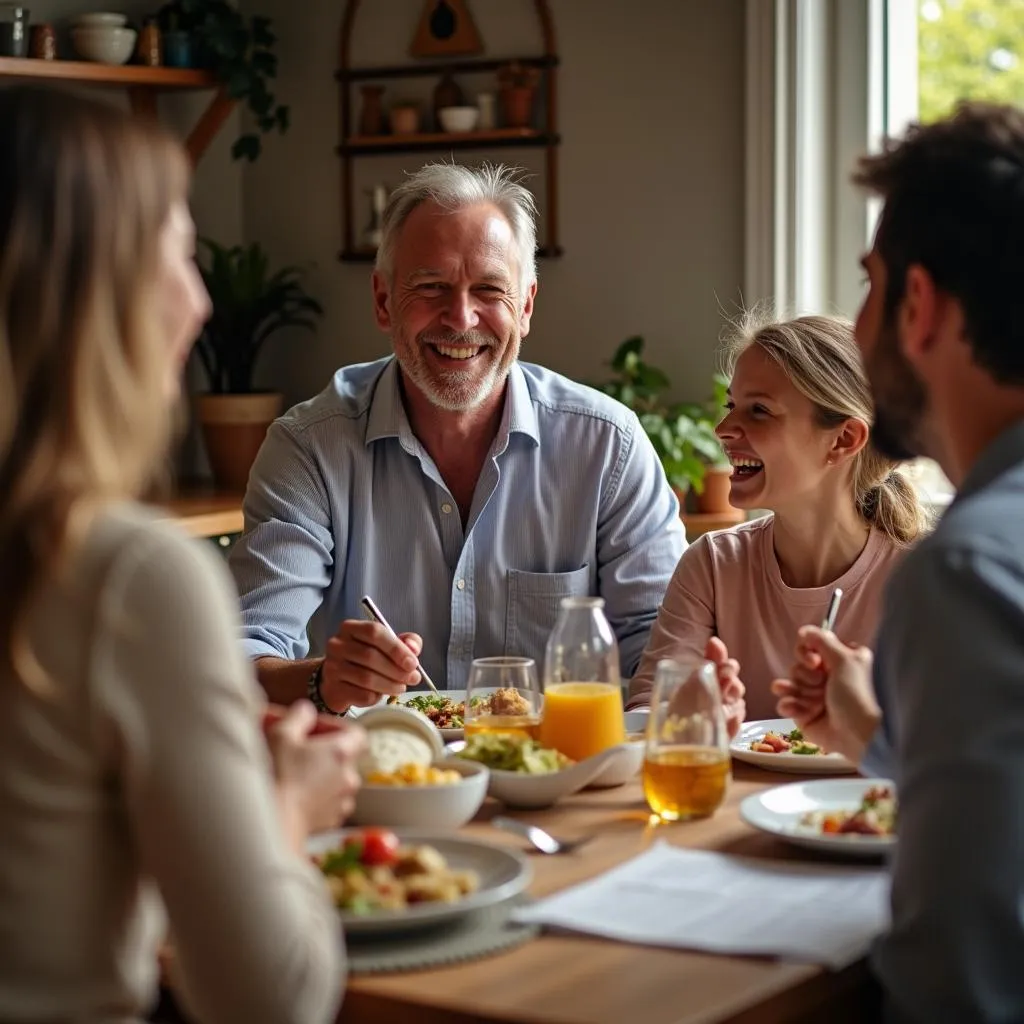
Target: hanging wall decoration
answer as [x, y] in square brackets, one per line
[446, 29]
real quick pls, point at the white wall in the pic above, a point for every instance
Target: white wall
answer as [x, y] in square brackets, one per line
[651, 114]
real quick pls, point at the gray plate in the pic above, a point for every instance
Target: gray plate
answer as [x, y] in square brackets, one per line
[503, 874]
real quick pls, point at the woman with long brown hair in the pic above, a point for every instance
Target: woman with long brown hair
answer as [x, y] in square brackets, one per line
[136, 788]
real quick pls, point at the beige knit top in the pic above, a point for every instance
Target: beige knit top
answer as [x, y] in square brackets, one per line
[142, 783]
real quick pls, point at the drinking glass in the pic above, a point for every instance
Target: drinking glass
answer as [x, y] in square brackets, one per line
[686, 765]
[503, 696]
[582, 689]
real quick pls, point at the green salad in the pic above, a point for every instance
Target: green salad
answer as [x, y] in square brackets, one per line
[506, 752]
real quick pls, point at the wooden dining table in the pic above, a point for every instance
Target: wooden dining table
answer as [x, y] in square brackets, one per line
[568, 979]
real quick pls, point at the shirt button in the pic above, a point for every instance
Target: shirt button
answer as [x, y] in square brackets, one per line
[446, 508]
[460, 584]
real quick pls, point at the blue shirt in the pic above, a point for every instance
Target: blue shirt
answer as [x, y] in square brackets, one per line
[343, 501]
[949, 674]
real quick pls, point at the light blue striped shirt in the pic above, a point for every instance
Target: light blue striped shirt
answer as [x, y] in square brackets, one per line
[343, 500]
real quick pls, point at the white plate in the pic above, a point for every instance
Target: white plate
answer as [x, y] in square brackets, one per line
[792, 764]
[778, 812]
[456, 695]
[503, 874]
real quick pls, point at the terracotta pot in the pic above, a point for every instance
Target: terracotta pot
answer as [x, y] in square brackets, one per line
[405, 120]
[517, 106]
[715, 496]
[234, 427]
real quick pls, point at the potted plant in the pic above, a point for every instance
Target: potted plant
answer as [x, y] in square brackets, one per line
[214, 34]
[684, 444]
[518, 84]
[250, 304]
[713, 497]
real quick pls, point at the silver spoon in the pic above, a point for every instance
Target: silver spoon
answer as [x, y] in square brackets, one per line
[543, 841]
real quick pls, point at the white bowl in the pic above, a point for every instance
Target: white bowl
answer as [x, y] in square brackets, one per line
[636, 723]
[102, 19]
[104, 44]
[611, 767]
[458, 119]
[620, 770]
[397, 719]
[435, 807]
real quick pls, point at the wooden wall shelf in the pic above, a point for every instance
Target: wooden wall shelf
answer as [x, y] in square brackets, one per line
[353, 146]
[143, 85]
[441, 67]
[425, 141]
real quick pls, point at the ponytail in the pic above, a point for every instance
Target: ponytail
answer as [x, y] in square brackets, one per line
[894, 508]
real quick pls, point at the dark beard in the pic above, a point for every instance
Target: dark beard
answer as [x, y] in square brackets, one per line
[901, 401]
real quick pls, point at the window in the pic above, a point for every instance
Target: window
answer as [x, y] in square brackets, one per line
[968, 49]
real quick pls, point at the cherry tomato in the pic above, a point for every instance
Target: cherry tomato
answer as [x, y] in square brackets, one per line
[379, 846]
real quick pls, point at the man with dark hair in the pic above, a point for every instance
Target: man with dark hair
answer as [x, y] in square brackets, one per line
[942, 334]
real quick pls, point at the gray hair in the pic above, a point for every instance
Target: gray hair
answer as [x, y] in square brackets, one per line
[454, 186]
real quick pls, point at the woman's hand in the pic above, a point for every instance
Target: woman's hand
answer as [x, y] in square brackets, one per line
[315, 767]
[829, 694]
[732, 690]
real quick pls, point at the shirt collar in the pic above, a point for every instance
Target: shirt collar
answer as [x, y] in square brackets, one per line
[1006, 451]
[387, 416]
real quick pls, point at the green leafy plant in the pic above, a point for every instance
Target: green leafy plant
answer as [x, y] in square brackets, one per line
[249, 305]
[685, 443]
[707, 416]
[240, 51]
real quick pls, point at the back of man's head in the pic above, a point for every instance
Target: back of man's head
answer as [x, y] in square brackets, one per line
[954, 205]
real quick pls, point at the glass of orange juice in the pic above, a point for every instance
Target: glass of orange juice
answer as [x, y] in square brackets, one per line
[503, 696]
[686, 765]
[582, 687]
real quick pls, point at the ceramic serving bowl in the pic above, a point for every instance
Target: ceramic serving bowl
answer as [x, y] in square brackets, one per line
[458, 119]
[102, 19]
[437, 807]
[104, 44]
[611, 767]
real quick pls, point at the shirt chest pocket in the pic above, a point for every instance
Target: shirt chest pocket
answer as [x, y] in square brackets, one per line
[534, 600]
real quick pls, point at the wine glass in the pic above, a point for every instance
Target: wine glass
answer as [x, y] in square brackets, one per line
[503, 696]
[686, 765]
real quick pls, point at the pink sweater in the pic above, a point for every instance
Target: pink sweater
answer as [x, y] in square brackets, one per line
[728, 584]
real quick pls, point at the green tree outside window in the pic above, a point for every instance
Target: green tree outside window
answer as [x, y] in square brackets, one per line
[969, 49]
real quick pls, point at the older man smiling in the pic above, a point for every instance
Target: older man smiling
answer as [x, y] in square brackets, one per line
[465, 491]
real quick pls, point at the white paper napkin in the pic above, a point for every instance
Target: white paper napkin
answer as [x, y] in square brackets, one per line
[694, 899]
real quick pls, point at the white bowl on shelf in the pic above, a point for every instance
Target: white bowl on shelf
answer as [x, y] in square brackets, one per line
[101, 19]
[104, 44]
[458, 119]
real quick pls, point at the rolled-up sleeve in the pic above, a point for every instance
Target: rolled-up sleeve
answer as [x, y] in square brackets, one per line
[640, 538]
[284, 561]
[952, 656]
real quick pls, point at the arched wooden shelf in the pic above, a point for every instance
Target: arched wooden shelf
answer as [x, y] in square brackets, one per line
[352, 146]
